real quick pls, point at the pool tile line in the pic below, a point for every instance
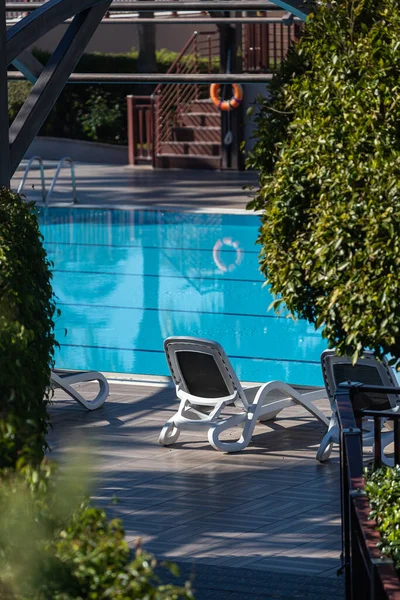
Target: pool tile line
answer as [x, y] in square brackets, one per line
[232, 356]
[159, 276]
[170, 310]
[127, 247]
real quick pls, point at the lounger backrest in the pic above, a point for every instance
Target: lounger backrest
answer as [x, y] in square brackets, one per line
[202, 369]
[368, 370]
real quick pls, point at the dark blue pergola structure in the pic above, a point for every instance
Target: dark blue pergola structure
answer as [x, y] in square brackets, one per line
[50, 79]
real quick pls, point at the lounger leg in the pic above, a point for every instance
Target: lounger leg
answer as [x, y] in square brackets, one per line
[331, 437]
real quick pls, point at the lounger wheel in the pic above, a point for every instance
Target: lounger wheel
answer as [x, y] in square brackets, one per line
[169, 434]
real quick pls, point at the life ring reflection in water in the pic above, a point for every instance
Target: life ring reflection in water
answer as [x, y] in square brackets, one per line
[218, 248]
[226, 105]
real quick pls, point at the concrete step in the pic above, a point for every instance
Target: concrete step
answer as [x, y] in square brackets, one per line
[190, 148]
[174, 161]
[201, 119]
[204, 106]
[197, 134]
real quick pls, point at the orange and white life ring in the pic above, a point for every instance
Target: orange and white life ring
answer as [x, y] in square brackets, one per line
[217, 254]
[226, 105]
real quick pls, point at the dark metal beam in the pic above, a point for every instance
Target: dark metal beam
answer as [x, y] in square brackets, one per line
[5, 173]
[161, 77]
[29, 65]
[166, 5]
[194, 21]
[52, 80]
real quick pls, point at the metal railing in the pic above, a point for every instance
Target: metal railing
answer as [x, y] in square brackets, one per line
[66, 159]
[264, 46]
[368, 574]
[26, 172]
[140, 129]
[47, 196]
[199, 54]
[16, 14]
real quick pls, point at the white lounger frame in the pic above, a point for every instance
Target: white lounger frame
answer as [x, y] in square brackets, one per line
[65, 380]
[328, 359]
[196, 412]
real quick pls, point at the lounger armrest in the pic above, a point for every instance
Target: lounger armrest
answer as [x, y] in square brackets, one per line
[182, 395]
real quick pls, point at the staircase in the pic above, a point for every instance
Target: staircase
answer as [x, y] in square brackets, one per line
[187, 124]
[195, 142]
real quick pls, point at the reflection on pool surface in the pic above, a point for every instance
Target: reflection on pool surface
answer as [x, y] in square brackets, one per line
[125, 280]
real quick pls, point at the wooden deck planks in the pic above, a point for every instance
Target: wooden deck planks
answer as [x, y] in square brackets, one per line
[270, 508]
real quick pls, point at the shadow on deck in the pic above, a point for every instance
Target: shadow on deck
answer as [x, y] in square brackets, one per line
[263, 523]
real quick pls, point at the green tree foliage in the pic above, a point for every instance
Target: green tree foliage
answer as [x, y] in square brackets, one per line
[26, 333]
[328, 155]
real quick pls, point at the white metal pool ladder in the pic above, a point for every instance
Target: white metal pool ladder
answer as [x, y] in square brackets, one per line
[47, 196]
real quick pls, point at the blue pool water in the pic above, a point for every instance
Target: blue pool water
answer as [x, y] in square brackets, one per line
[125, 280]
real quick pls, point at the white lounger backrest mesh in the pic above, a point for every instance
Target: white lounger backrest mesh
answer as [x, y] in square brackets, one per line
[368, 370]
[202, 369]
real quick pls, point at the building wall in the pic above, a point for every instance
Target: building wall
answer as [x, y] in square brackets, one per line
[116, 37]
[251, 90]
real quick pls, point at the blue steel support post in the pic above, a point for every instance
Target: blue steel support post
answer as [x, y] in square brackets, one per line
[4, 145]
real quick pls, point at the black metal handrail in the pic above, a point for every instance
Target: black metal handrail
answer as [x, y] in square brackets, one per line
[368, 575]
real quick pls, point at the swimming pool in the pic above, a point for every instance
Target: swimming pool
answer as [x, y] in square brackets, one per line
[127, 279]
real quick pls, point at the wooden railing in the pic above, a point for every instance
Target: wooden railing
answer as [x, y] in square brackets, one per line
[368, 574]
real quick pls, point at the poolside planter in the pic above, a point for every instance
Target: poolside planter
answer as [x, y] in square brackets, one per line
[368, 574]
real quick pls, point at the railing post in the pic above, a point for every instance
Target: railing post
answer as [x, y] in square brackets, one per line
[131, 112]
[196, 63]
[345, 500]
[152, 134]
[4, 143]
[178, 97]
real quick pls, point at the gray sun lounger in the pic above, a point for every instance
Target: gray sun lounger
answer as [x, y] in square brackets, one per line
[368, 370]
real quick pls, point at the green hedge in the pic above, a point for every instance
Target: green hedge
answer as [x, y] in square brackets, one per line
[93, 112]
[383, 489]
[26, 333]
[328, 155]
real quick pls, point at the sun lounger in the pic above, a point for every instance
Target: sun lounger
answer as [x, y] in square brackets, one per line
[368, 370]
[66, 379]
[207, 385]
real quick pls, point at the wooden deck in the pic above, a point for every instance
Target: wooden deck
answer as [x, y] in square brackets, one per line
[271, 508]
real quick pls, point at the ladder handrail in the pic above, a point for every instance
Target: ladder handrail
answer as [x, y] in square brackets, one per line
[25, 175]
[56, 174]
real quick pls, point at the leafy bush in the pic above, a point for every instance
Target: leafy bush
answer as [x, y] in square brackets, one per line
[50, 551]
[383, 489]
[328, 155]
[95, 112]
[26, 333]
